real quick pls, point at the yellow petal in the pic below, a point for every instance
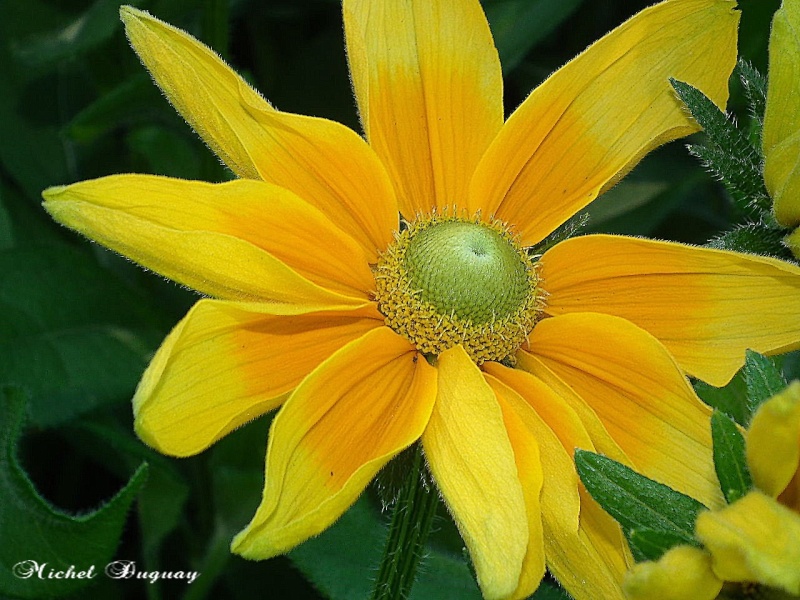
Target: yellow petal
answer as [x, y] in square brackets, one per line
[226, 363]
[429, 88]
[570, 403]
[781, 134]
[793, 242]
[331, 168]
[683, 573]
[706, 306]
[472, 462]
[634, 386]
[242, 240]
[323, 162]
[601, 541]
[529, 468]
[343, 423]
[201, 87]
[773, 441]
[754, 539]
[595, 118]
[558, 432]
[587, 555]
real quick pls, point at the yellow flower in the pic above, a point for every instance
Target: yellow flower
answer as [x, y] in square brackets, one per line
[373, 333]
[683, 573]
[757, 538]
[781, 133]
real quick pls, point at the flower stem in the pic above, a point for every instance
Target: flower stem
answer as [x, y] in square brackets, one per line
[411, 523]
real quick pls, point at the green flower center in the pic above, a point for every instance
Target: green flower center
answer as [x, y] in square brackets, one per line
[467, 269]
[447, 281]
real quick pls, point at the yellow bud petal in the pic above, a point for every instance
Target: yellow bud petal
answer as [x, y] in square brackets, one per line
[793, 241]
[683, 573]
[754, 539]
[773, 441]
[781, 141]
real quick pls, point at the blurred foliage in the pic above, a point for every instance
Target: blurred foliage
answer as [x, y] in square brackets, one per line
[78, 324]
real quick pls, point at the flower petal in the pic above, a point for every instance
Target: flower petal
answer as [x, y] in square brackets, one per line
[781, 134]
[472, 462]
[201, 87]
[773, 441]
[242, 239]
[637, 390]
[682, 573]
[587, 556]
[331, 168]
[345, 421]
[586, 126]
[529, 468]
[754, 539]
[793, 242]
[600, 540]
[706, 306]
[558, 432]
[227, 363]
[429, 87]
[567, 406]
[323, 162]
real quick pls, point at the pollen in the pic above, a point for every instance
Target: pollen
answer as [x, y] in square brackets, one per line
[448, 280]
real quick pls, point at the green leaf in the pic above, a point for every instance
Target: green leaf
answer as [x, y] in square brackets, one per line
[755, 88]
[730, 460]
[63, 316]
[636, 501]
[764, 379]
[730, 155]
[34, 531]
[566, 230]
[753, 238]
[730, 399]
[518, 25]
[649, 544]
[730, 170]
[161, 503]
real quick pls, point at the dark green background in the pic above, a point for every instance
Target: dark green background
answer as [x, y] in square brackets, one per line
[78, 324]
